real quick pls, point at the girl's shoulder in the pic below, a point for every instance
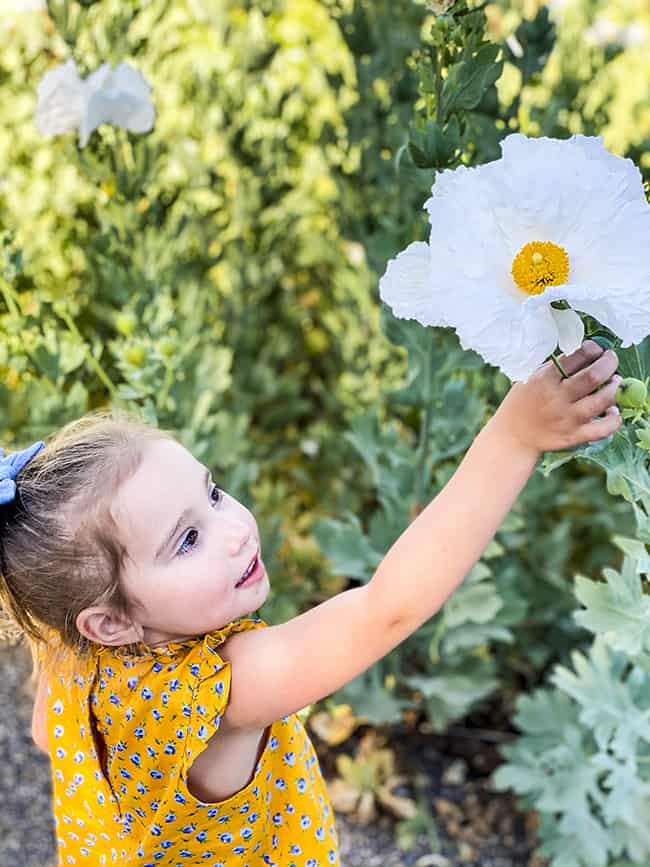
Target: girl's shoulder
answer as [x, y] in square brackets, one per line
[136, 674]
[189, 650]
[144, 671]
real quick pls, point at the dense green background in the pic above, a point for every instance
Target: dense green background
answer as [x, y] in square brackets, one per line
[220, 276]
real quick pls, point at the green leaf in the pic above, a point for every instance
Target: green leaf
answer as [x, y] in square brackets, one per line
[544, 712]
[607, 705]
[370, 699]
[553, 773]
[427, 146]
[47, 361]
[386, 525]
[618, 608]
[476, 603]
[366, 437]
[636, 551]
[76, 400]
[347, 548]
[468, 80]
[643, 438]
[470, 636]
[625, 464]
[579, 839]
[458, 416]
[635, 360]
[73, 353]
[450, 696]
[553, 460]
[434, 146]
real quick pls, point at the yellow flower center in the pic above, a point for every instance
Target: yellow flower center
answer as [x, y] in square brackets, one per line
[538, 265]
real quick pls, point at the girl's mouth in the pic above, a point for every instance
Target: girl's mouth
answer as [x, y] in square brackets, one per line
[253, 573]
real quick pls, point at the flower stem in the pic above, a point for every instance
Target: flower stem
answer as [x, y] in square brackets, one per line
[558, 364]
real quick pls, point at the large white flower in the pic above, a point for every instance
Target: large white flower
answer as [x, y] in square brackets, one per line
[552, 220]
[67, 102]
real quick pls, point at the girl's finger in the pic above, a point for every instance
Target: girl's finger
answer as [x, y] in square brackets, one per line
[599, 428]
[596, 404]
[589, 378]
[586, 354]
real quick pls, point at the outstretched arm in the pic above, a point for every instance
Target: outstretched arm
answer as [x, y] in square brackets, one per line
[278, 670]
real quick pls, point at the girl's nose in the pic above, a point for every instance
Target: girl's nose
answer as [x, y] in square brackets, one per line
[237, 535]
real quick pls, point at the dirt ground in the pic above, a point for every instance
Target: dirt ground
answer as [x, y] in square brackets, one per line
[476, 827]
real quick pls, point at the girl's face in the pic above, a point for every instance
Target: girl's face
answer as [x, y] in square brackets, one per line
[194, 560]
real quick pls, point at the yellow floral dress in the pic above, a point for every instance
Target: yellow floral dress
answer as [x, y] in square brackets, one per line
[123, 730]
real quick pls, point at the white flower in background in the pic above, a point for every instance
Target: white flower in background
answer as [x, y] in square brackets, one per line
[9, 6]
[604, 32]
[515, 45]
[67, 102]
[557, 8]
[550, 221]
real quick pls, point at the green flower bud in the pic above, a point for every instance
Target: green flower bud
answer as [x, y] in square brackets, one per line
[126, 323]
[632, 393]
[317, 341]
[168, 346]
[135, 355]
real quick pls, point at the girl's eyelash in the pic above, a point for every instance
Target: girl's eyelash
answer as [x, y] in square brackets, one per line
[182, 549]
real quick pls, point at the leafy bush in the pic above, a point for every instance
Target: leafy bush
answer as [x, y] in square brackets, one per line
[197, 274]
[584, 759]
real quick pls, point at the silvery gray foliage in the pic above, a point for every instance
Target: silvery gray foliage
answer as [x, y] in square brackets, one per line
[583, 760]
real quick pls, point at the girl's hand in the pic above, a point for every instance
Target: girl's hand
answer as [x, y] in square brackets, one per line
[549, 413]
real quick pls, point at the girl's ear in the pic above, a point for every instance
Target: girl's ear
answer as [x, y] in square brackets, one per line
[101, 625]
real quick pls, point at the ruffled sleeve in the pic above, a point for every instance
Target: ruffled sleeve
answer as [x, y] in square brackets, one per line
[209, 676]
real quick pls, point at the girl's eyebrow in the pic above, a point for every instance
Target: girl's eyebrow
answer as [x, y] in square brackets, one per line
[185, 514]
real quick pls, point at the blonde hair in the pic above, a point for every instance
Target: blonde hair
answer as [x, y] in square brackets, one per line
[60, 549]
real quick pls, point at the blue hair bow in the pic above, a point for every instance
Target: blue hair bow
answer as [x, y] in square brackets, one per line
[10, 466]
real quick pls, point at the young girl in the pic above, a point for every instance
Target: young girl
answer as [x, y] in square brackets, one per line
[168, 715]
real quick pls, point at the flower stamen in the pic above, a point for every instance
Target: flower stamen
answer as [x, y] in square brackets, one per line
[540, 264]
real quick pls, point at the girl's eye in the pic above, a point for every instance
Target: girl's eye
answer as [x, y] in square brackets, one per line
[189, 540]
[186, 545]
[216, 494]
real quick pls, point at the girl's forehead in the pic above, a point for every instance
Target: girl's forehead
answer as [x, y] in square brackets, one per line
[165, 457]
[161, 487]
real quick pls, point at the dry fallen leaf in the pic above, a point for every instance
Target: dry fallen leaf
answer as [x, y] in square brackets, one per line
[335, 726]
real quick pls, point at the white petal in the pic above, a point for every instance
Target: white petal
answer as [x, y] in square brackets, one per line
[626, 313]
[97, 79]
[120, 98]
[126, 79]
[517, 339]
[571, 331]
[119, 109]
[406, 286]
[60, 100]
[132, 113]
